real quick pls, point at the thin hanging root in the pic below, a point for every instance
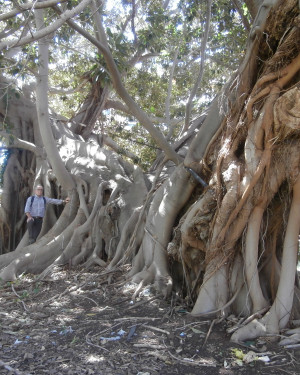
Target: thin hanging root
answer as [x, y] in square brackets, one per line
[251, 257]
[251, 102]
[289, 72]
[267, 122]
[268, 78]
[282, 77]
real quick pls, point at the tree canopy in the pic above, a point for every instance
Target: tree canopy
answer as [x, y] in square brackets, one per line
[158, 48]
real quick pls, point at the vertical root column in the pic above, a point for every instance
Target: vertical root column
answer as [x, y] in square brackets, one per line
[279, 314]
[251, 259]
[283, 303]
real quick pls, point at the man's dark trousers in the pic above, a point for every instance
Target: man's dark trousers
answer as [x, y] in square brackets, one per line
[34, 227]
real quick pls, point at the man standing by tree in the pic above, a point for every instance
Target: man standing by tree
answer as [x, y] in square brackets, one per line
[35, 210]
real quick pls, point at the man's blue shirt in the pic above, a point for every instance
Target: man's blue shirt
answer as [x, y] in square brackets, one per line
[38, 205]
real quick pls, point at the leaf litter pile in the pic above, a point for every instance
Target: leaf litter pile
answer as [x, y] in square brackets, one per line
[76, 324]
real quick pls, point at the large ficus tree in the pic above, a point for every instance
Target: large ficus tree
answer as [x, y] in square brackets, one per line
[218, 212]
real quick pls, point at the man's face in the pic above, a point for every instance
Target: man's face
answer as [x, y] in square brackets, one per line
[39, 191]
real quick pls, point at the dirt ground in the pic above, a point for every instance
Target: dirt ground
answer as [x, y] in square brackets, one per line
[76, 324]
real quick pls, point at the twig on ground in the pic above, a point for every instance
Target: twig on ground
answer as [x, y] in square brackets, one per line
[158, 355]
[156, 329]
[90, 300]
[20, 300]
[149, 346]
[253, 348]
[170, 312]
[137, 290]
[57, 296]
[193, 324]
[119, 302]
[292, 346]
[288, 372]
[281, 369]
[209, 332]
[192, 362]
[135, 318]
[258, 314]
[69, 290]
[88, 341]
[107, 329]
[9, 368]
[142, 303]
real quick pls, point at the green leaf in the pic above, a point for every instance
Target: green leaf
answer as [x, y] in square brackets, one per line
[239, 354]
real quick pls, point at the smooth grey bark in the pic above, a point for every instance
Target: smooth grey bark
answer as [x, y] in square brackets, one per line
[193, 92]
[46, 30]
[49, 142]
[253, 6]
[30, 6]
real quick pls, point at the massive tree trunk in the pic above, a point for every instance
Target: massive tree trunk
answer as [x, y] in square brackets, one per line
[235, 239]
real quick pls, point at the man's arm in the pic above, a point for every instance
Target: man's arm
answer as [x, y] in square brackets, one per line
[57, 201]
[27, 209]
[29, 217]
